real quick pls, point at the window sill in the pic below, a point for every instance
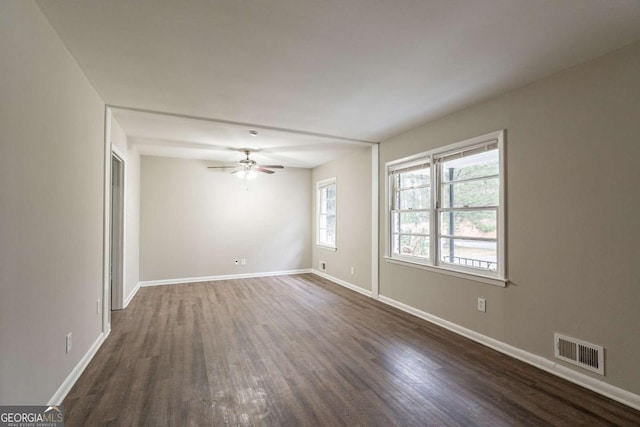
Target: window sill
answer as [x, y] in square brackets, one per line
[449, 272]
[329, 248]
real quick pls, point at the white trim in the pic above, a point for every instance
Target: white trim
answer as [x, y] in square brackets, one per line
[375, 221]
[326, 182]
[131, 295]
[616, 393]
[71, 379]
[387, 207]
[502, 212]
[119, 304]
[221, 277]
[342, 282]
[478, 140]
[449, 272]
[329, 248]
[114, 149]
[106, 216]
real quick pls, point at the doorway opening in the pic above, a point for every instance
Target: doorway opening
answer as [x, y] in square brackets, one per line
[116, 272]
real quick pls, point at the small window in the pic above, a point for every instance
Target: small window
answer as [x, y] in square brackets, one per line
[446, 208]
[326, 214]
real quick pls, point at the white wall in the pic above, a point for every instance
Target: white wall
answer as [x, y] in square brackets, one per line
[353, 228]
[51, 191]
[132, 207]
[573, 202]
[196, 221]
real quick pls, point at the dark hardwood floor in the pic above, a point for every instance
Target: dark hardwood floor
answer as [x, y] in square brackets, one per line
[299, 350]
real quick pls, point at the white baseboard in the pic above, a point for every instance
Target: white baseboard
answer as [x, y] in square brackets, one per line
[131, 295]
[620, 395]
[71, 379]
[341, 282]
[223, 277]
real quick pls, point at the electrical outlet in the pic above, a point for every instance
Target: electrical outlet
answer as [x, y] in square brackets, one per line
[236, 262]
[482, 305]
[68, 343]
[243, 261]
[353, 270]
[98, 306]
[322, 265]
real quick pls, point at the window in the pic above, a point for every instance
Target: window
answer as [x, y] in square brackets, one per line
[446, 208]
[468, 208]
[410, 211]
[326, 214]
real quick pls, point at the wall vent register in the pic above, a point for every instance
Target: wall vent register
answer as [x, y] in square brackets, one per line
[580, 353]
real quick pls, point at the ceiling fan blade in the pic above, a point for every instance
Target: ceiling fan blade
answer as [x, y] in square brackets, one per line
[263, 170]
[271, 166]
[220, 167]
[236, 170]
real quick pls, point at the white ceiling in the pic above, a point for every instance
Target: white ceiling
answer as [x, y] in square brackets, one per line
[356, 69]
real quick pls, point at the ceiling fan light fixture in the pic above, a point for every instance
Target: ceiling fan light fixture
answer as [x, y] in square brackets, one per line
[247, 173]
[247, 168]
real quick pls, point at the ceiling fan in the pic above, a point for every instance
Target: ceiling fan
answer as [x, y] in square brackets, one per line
[247, 168]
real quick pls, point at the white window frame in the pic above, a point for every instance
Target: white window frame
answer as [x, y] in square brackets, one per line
[410, 164]
[319, 185]
[433, 263]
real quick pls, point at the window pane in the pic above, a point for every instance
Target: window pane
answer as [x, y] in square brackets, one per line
[482, 224]
[411, 222]
[327, 237]
[474, 166]
[331, 222]
[469, 253]
[331, 206]
[331, 237]
[417, 246]
[331, 191]
[418, 198]
[323, 221]
[322, 236]
[414, 178]
[485, 192]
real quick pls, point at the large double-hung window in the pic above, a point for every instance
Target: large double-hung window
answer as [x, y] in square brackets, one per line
[446, 208]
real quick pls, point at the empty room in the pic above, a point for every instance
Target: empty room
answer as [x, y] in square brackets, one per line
[371, 213]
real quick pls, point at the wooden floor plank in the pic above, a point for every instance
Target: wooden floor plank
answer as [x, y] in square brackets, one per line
[299, 350]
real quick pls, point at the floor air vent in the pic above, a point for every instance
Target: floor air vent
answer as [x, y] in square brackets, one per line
[580, 353]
